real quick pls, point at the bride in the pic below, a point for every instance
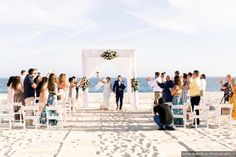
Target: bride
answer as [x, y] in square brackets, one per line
[106, 92]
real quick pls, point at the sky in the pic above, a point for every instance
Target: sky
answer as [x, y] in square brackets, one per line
[167, 35]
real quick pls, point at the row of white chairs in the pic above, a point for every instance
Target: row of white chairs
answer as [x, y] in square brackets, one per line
[8, 114]
[203, 113]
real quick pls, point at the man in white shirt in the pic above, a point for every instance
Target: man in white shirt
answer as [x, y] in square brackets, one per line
[23, 74]
[156, 89]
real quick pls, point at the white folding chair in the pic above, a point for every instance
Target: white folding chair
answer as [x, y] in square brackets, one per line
[182, 116]
[219, 114]
[203, 114]
[19, 112]
[59, 117]
[6, 113]
[34, 117]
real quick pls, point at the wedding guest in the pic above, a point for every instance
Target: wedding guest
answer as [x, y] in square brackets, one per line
[185, 92]
[195, 92]
[72, 92]
[163, 115]
[18, 94]
[38, 78]
[156, 89]
[166, 86]
[163, 77]
[42, 90]
[29, 91]
[62, 86]
[203, 84]
[10, 95]
[176, 92]
[226, 88]
[23, 74]
[177, 73]
[52, 100]
[118, 89]
[232, 100]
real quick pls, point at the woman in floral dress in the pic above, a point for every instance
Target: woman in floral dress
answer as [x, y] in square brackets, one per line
[52, 100]
[176, 92]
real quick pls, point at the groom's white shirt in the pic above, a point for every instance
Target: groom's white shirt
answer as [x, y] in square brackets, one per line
[154, 85]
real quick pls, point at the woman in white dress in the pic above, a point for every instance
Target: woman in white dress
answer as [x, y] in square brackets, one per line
[106, 92]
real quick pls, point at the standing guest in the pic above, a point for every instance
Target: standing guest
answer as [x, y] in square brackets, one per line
[42, 90]
[18, 94]
[166, 86]
[226, 88]
[10, 95]
[163, 115]
[52, 100]
[203, 84]
[29, 91]
[38, 78]
[176, 92]
[195, 92]
[23, 74]
[232, 100]
[72, 92]
[177, 73]
[118, 89]
[185, 92]
[163, 79]
[156, 89]
[63, 86]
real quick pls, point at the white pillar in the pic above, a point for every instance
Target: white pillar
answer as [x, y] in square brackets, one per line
[135, 93]
[129, 89]
[85, 98]
[85, 93]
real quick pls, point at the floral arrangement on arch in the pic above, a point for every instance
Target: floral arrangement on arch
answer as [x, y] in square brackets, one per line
[135, 84]
[84, 82]
[109, 54]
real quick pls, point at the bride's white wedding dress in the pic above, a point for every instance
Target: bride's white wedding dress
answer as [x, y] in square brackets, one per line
[106, 96]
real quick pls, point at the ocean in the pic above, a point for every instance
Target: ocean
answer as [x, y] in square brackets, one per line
[212, 85]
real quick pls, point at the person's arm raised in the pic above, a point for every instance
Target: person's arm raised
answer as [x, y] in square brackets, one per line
[34, 85]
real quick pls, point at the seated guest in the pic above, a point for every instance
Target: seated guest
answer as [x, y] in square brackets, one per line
[163, 115]
[166, 89]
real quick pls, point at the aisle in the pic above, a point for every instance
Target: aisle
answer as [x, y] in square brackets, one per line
[91, 132]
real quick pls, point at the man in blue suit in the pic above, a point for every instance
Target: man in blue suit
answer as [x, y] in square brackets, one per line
[118, 89]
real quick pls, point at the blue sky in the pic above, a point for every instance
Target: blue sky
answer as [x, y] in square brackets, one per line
[167, 34]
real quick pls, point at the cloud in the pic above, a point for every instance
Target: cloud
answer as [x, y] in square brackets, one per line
[190, 16]
[66, 14]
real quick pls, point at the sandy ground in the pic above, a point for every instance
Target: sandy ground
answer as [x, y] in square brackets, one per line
[131, 132]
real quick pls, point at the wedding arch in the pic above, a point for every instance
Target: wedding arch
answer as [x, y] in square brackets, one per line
[125, 59]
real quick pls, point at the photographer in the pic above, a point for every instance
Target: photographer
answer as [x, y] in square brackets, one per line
[226, 88]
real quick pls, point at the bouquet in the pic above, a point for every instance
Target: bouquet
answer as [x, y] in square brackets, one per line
[84, 83]
[135, 84]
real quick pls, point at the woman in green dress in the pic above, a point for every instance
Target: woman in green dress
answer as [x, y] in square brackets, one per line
[52, 100]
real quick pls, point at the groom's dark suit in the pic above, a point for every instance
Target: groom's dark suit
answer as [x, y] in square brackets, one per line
[119, 88]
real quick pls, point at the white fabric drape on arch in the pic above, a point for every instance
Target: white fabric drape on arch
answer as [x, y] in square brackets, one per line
[91, 61]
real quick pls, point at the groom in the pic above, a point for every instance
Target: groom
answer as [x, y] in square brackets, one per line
[118, 89]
